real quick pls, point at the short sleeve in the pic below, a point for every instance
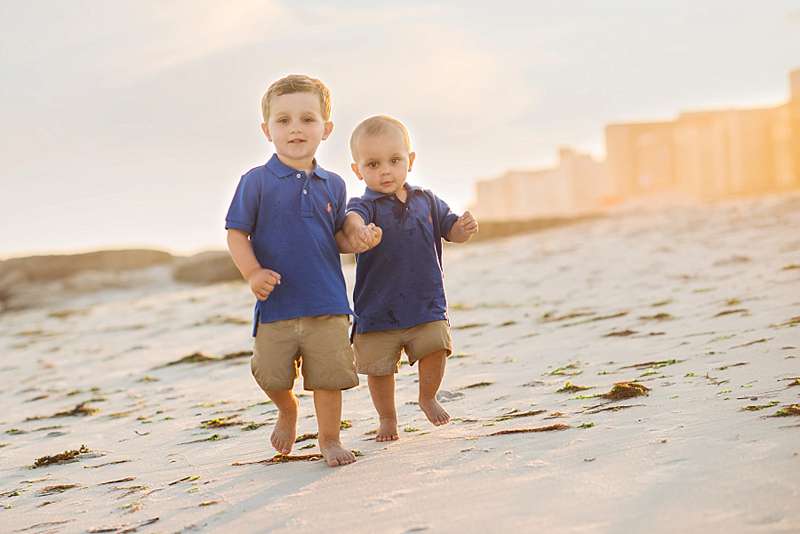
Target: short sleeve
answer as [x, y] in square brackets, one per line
[243, 212]
[362, 207]
[446, 217]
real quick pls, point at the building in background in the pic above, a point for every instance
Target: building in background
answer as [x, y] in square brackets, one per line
[578, 184]
[701, 155]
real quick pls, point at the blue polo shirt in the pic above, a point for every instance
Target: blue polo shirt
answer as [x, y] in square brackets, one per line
[399, 283]
[291, 218]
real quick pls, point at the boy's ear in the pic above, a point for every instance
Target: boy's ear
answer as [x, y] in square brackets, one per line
[328, 129]
[354, 166]
[411, 157]
[265, 129]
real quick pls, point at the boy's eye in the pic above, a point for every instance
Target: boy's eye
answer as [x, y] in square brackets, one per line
[372, 164]
[283, 120]
[395, 161]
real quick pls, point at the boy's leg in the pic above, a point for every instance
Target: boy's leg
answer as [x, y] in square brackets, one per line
[285, 431]
[430, 344]
[328, 369]
[431, 371]
[274, 366]
[377, 356]
[328, 404]
[381, 389]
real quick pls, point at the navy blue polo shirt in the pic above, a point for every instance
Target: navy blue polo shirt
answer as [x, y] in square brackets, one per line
[399, 283]
[291, 218]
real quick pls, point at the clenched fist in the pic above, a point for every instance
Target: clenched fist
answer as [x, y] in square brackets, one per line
[262, 282]
[367, 237]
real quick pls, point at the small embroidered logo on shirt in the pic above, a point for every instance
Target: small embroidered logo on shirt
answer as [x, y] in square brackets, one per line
[329, 208]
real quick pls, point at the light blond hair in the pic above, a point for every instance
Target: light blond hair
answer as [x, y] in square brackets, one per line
[377, 125]
[298, 83]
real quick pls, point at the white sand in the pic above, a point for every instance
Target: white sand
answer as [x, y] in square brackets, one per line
[686, 458]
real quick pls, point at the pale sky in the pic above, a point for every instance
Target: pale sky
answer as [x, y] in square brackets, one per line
[129, 123]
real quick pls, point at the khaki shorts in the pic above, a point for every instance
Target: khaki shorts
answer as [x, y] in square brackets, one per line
[320, 346]
[378, 353]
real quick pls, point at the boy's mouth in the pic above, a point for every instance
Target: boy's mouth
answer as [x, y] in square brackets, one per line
[293, 141]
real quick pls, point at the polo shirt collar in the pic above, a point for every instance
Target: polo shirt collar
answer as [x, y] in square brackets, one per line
[369, 194]
[281, 170]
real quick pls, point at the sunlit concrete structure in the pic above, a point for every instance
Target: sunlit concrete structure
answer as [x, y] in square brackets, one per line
[579, 184]
[700, 155]
[709, 154]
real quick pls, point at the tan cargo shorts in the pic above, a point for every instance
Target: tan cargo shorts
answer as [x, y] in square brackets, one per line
[318, 346]
[378, 353]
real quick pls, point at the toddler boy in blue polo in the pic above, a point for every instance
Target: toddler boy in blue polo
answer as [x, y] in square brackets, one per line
[409, 256]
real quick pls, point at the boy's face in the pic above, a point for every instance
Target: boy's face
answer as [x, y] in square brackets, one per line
[383, 161]
[296, 127]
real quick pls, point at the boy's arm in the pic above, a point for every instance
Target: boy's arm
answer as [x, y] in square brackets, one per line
[463, 229]
[362, 236]
[262, 281]
[343, 243]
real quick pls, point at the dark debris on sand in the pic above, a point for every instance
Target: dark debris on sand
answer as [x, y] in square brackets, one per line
[80, 410]
[199, 357]
[548, 428]
[626, 390]
[60, 458]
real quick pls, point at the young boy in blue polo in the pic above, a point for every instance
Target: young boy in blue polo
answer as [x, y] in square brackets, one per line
[284, 236]
[399, 292]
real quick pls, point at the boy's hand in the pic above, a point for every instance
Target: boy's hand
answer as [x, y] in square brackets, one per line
[464, 228]
[262, 282]
[367, 237]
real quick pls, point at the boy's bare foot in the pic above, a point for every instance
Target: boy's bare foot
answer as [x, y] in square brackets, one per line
[285, 431]
[434, 412]
[387, 430]
[335, 454]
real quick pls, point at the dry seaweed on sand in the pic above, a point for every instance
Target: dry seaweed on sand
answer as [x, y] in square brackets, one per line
[568, 370]
[657, 364]
[548, 428]
[213, 437]
[60, 458]
[284, 458]
[305, 437]
[515, 414]
[469, 326]
[657, 317]
[80, 410]
[199, 357]
[569, 387]
[117, 481]
[737, 364]
[221, 422]
[794, 321]
[597, 409]
[757, 407]
[731, 312]
[187, 478]
[626, 390]
[599, 318]
[477, 385]
[58, 488]
[106, 464]
[621, 333]
[252, 426]
[751, 343]
[551, 317]
[125, 527]
[788, 411]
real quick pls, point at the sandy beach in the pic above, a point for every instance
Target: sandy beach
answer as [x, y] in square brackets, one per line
[696, 309]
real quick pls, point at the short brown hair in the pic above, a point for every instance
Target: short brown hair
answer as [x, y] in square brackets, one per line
[298, 83]
[377, 125]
